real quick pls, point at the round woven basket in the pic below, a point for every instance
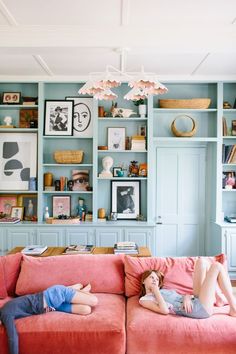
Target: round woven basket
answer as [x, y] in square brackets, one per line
[68, 156]
[179, 133]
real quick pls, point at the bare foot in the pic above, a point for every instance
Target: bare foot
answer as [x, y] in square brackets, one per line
[77, 286]
[87, 288]
[232, 312]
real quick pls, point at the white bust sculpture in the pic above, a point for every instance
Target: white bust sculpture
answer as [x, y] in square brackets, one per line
[107, 163]
[7, 120]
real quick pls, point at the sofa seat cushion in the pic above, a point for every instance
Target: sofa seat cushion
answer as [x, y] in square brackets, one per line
[152, 333]
[105, 273]
[101, 332]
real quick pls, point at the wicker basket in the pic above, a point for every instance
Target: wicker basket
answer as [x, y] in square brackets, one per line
[179, 133]
[193, 103]
[68, 156]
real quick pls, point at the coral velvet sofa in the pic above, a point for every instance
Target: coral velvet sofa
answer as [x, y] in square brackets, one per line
[118, 324]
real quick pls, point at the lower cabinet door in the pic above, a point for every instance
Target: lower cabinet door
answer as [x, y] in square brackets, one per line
[80, 236]
[143, 237]
[19, 237]
[107, 237]
[50, 236]
[230, 239]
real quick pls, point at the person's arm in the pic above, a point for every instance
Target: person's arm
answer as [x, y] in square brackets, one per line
[187, 303]
[160, 307]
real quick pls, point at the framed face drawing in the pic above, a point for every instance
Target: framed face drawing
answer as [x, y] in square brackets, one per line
[18, 153]
[58, 117]
[82, 119]
[116, 138]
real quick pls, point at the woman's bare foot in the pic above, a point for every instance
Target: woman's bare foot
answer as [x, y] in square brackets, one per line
[86, 288]
[76, 286]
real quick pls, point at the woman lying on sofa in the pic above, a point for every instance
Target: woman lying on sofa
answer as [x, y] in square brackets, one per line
[72, 299]
[200, 304]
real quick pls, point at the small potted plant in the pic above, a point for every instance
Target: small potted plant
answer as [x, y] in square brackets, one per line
[142, 107]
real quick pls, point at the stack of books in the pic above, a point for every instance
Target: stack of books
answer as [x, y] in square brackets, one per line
[126, 247]
[79, 249]
[34, 250]
[9, 220]
[138, 142]
[228, 153]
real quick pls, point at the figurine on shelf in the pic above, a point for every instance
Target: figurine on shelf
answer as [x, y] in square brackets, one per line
[133, 169]
[107, 163]
[7, 120]
[81, 209]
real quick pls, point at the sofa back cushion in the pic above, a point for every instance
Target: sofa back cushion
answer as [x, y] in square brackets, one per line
[9, 272]
[178, 272]
[105, 273]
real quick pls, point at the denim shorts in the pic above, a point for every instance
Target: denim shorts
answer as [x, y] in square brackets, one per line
[198, 310]
[59, 297]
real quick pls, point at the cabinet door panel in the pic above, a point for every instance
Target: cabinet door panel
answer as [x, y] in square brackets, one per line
[141, 237]
[19, 237]
[80, 237]
[231, 248]
[50, 237]
[107, 237]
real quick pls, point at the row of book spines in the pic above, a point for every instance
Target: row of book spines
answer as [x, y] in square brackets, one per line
[229, 153]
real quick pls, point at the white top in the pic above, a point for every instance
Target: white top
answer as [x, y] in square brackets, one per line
[151, 297]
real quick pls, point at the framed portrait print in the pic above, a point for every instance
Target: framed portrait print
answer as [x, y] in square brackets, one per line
[126, 199]
[58, 116]
[6, 203]
[18, 154]
[116, 138]
[11, 97]
[30, 204]
[115, 171]
[82, 118]
[17, 212]
[61, 205]
[142, 130]
[80, 180]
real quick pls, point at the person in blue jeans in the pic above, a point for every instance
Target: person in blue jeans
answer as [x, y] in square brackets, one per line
[200, 304]
[74, 299]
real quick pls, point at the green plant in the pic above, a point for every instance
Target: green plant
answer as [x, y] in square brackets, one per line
[139, 102]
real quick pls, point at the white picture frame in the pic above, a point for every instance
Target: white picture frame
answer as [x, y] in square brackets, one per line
[116, 138]
[58, 116]
[82, 117]
[18, 154]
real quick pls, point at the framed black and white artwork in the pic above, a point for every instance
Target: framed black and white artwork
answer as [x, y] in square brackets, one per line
[18, 160]
[58, 116]
[126, 199]
[82, 119]
[116, 138]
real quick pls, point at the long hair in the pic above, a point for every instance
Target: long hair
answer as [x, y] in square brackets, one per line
[146, 274]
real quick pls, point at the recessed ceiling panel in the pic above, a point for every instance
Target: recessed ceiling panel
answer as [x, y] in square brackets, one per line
[3, 20]
[163, 63]
[218, 64]
[157, 12]
[81, 61]
[65, 12]
[19, 65]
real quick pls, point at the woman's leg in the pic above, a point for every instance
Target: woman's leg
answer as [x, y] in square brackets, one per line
[81, 309]
[199, 275]
[84, 298]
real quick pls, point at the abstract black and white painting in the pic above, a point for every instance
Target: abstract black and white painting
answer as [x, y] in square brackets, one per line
[82, 119]
[18, 154]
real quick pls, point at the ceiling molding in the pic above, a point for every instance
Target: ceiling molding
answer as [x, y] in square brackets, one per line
[125, 12]
[43, 64]
[7, 14]
[200, 64]
[234, 21]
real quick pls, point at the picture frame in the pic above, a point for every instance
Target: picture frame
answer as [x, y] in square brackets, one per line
[30, 204]
[11, 97]
[116, 138]
[82, 116]
[126, 199]
[58, 117]
[229, 180]
[18, 153]
[61, 205]
[233, 131]
[17, 212]
[6, 203]
[80, 180]
[142, 130]
[115, 169]
[27, 116]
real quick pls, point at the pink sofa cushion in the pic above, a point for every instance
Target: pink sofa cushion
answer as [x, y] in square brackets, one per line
[56, 332]
[178, 335]
[105, 273]
[10, 268]
[178, 272]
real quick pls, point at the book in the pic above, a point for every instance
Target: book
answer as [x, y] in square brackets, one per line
[79, 249]
[224, 127]
[34, 250]
[126, 248]
[9, 220]
[231, 219]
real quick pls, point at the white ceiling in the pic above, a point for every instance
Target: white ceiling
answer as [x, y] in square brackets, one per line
[189, 39]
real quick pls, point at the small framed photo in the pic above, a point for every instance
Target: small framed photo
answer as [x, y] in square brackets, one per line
[116, 138]
[229, 180]
[61, 205]
[126, 199]
[17, 212]
[142, 130]
[11, 97]
[115, 171]
[6, 203]
[58, 117]
[30, 204]
[80, 180]
[233, 131]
